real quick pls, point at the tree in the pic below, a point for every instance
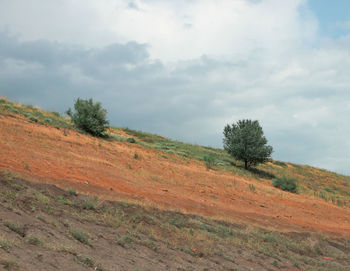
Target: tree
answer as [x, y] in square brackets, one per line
[246, 142]
[89, 116]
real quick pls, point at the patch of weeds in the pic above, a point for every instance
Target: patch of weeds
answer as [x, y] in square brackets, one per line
[85, 261]
[329, 189]
[64, 200]
[275, 263]
[142, 218]
[136, 156]
[151, 245]
[279, 163]
[182, 153]
[285, 184]
[9, 265]
[322, 195]
[56, 114]
[16, 228]
[5, 245]
[42, 198]
[26, 167]
[9, 195]
[131, 140]
[7, 175]
[118, 138]
[125, 240]
[87, 205]
[35, 241]
[209, 161]
[269, 238]
[81, 237]
[42, 218]
[252, 187]
[156, 179]
[72, 192]
[187, 250]
[179, 222]
[125, 204]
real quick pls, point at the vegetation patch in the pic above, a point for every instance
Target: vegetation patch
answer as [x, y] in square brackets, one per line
[35, 241]
[133, 226]
[81, 237]
[209, 161]
[9, 265]
[5, 245]
[72, 192]
[89, 116]
[286, 184]
[34, 114]
[20, 230]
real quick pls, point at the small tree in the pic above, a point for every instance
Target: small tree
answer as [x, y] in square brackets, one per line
[246, 142]
[89, 116]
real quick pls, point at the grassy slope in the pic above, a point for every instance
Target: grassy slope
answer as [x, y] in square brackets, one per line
[46, 228]
[327, 185]
[199, 242]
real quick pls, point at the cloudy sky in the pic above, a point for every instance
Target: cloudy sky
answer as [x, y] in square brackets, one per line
[185, 68]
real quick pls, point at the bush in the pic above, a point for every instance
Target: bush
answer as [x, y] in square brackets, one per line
[131, 140]
[81, 237]
[209, 161]
[89, 116]
[286, 184]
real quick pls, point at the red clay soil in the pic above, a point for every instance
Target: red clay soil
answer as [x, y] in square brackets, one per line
[109, 169]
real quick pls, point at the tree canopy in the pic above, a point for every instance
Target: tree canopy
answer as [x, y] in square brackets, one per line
[89, 116]
[246, 142]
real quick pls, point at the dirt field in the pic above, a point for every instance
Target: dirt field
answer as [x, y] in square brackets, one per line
[45, 228]
[111, 170]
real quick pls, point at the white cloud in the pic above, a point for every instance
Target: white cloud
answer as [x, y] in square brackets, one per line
[189, 66]
[173, 29]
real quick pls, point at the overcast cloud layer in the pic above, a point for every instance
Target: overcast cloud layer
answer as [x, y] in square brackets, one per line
[184, 69]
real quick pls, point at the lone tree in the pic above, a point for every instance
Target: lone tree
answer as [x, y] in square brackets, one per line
[89, 116]
[246, 142]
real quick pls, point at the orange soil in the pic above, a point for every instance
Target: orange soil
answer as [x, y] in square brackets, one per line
[109, 170]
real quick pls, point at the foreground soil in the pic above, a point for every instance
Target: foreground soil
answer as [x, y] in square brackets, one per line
[43, 227]
[124, 171]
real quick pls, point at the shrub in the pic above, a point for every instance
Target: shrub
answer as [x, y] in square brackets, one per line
[89, 116]
[286, 184]
[16, 228]
[252, 187]
[35, 241]
[131, 140]
[81, 237]
[209, 161]
[72, 192]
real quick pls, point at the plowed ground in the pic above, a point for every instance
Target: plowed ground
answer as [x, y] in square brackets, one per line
[111, 170]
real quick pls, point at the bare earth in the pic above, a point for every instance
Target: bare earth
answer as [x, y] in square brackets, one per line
[109, 169]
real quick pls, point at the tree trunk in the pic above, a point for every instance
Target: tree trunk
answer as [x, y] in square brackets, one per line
[245, 164]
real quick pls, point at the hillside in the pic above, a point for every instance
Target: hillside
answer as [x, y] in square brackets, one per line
[166, 201]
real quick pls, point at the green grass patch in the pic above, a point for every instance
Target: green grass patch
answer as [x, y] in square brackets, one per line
[35, 241]
[20, 230]
[285, 184]
[34, 114]
[5, 245]
[81, 237]
[72, 192]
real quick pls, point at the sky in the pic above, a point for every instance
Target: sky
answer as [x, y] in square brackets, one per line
[185, 69]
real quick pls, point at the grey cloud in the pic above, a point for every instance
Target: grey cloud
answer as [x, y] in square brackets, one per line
[190, 100]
